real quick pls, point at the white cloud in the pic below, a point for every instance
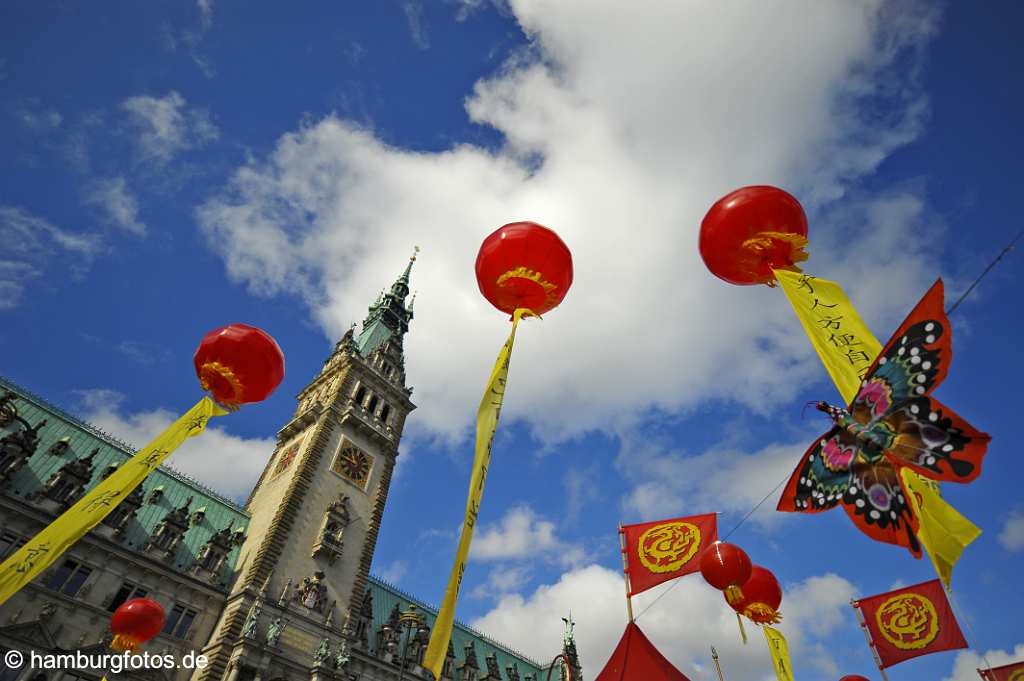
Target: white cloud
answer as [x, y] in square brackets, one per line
[166, 126]
[667, 482]
[36, 117]
[621, 151]
[503, 580]
[30, 243]
[581, 489]
[394, 571]
[413, 10]
[118, 204]
[205, 8]
[682, 625]
[1012, 536]
[968, 662]
[221, 461]
[521, 534]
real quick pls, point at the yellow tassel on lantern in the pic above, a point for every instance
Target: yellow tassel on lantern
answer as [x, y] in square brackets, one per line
[743, 632]
[762, 614]
[733, 594]
[122, 643]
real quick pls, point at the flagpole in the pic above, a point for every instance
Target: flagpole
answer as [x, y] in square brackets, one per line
[718, 667]
[625, 572]
[867, 636]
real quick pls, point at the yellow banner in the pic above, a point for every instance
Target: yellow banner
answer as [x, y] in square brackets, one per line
[847, 349]
[486, 423]
[943, 531]
[780, 653]
[43, 549]
[844, 344]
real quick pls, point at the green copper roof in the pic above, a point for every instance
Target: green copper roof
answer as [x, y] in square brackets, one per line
[388, 316]
[385, 596]
[175, 487]
[373, 335]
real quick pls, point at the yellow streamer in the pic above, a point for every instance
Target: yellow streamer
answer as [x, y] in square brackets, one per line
[943, 531]
[47, 546]
[845, 345]
[486, 423]
[780, 653]
[847, 349]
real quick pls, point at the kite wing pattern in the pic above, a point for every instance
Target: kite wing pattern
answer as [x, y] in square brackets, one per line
[892, 422]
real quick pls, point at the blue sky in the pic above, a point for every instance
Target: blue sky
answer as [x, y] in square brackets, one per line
[170, 168]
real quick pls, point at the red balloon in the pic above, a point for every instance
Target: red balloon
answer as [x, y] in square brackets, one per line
[726, 567]
[239, 364]
[751, 231]
[135, 622]
[524, 265]
[854, 677]
[762, 596]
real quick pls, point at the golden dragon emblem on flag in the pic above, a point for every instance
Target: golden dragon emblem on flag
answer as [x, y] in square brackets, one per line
[668, 546]
[908, 621]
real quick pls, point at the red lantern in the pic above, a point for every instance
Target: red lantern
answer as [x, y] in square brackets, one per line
[751, 231]
[854, 677]
[239, 364]
[762, 596]
[726, 567]
[524, 265]
[135, 622]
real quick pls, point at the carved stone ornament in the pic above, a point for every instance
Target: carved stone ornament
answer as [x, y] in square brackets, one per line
[330, 540]
[312, 592]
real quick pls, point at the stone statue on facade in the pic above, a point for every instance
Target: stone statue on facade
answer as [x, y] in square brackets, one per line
[274, 631]
[323, 651]
[341, 657]
[252, 620]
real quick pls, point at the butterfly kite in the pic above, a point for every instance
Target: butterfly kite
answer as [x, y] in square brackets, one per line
[893, 422]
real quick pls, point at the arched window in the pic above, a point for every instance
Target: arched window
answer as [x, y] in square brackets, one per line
[360, 395]
[372, 406]
[385, 412]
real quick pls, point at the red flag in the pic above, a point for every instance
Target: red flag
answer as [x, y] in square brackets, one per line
[909, 622]
[1009, 672]
[665, 549]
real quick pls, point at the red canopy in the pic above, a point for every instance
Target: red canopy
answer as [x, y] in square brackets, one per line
[636, 659]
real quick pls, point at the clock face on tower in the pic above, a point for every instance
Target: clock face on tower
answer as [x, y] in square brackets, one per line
[353, 464]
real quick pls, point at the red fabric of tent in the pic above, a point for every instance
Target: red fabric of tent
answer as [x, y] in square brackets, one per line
[636, 659]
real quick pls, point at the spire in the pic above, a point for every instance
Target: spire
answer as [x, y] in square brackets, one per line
[400, 289]
[388, 317]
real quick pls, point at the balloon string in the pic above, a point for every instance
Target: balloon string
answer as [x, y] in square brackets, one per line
[1009, 247]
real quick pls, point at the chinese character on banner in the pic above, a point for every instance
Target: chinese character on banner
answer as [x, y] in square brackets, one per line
[665, 549]
[910, 622]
